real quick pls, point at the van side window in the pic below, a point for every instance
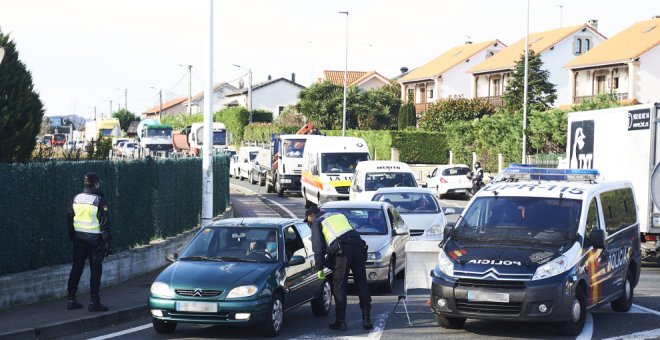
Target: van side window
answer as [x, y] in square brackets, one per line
[592, 221]
[619, 209]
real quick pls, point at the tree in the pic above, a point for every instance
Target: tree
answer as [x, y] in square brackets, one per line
[21, 110]
[452, 109]
[125, 118]
[541, 93]
[407, 114]
[322, 104]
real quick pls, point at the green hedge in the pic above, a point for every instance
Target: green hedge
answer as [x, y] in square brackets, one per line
[148, 199]
[235, 119]
[261, 132]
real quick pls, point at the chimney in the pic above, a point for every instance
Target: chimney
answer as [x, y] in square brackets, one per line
[269, 77]
[468, 42]
[293, 77]
[593, 23]
[655, 17]
[403, 69]
[241, 84]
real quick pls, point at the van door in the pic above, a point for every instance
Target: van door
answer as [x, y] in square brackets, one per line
[596, 264]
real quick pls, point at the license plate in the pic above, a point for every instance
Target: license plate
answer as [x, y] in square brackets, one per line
[203, 307]
[286, 180]
[474, 295]
[460, 191]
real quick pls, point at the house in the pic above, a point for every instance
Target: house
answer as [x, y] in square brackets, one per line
[220, 92]
[271, 95]
[627, 65]
[446, 75]
[362, 79]
[173, 106]
[556, 48]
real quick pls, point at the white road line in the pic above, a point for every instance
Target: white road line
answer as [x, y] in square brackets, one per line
[652, 334]
[281, 206]
[636, 308]
[124, 332]
[376, 332]
[379, 326]
[588, 330]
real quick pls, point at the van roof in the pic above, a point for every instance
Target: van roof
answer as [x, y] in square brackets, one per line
[331, 144]
[383, 166]
[549, 188]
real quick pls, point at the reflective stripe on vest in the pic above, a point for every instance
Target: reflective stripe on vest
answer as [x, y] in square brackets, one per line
[85, 209]
[334, 226]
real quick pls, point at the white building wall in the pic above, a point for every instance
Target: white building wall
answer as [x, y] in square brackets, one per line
[482, 86]
[648, 81]
[273, 96]
[373, 83]
[582, 84]
[458, 82]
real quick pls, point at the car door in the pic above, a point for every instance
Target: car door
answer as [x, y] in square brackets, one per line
[313, 282]
[297, 276]
[398, 241]
[432, 181]
[596, 259]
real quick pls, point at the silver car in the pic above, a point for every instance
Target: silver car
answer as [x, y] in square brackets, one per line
[381, 226]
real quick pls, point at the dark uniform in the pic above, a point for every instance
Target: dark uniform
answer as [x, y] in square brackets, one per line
[333, 235]
[89, 230]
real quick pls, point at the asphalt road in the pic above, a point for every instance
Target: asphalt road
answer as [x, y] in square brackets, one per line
[642, 322]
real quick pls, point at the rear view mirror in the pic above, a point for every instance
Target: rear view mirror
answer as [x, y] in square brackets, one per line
[172, 257]
[296, 260]
[448, 229]
[597, 238]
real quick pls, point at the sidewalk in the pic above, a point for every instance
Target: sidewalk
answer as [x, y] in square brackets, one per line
[127, 301]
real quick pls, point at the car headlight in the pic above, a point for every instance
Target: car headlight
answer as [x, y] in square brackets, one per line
[435, 230]
[552, 268]
[242, 291]
[445, 264]
[161, 289]
[374, 256]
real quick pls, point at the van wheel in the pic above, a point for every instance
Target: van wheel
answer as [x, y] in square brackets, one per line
[251, 177]
[388, 285]
[624, 303]
[163, 327]
[323, 302]
[574, 326]
[449, 322]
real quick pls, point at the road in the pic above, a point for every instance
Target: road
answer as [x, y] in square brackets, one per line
[641, 322]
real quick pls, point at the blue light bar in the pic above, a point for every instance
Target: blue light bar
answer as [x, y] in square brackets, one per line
[530, 172]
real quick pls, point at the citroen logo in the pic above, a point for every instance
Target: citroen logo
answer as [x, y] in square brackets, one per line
[197, 292]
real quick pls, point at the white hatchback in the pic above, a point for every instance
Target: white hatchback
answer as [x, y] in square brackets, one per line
[449, 179]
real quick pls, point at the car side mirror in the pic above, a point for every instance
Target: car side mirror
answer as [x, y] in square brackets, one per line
[597, 238]
[401, 231]
[245, 161]
[428, 176]
[450, 211]
[448, 229]
[171, 258]
[295, 260]
[357, 188]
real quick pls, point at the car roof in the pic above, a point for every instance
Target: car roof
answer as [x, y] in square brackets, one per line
[256, 222]
[353, 204]
[445, 166]
[394, 190]
[383, 166]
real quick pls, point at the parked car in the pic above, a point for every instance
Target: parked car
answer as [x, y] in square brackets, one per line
[70, 145]
[242, 271]
[128, 149]
[233, 166]
[419, 208]
[449, 180]
[385, 232]
[117, 148]
[81, 145]
[246, 157]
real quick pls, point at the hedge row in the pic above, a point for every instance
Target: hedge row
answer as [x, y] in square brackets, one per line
[148, 199]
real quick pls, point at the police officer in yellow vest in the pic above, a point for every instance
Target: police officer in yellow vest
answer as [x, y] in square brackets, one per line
[332, 234]
[89, 230]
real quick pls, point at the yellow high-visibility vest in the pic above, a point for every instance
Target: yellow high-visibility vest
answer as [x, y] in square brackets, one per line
[85, 209]
[334, 226]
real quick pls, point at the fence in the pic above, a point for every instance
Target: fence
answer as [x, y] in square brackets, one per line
[148, 199]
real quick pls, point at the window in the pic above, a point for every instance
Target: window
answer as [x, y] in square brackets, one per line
[293, 244]
[430, 93]
[614, 83]
[619, 209]
[578, 45]
[592, 221]
[496, 87]
[600, 84]
[587, 44]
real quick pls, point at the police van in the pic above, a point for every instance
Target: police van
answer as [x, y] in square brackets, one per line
[372, 175]
[539, 245]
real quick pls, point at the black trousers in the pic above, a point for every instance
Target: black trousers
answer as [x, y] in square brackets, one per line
[353, 258]
[81, 252]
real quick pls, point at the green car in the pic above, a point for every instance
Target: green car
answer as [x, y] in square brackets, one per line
[240, 271]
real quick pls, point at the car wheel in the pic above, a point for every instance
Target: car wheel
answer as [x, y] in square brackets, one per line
[163, 327]
[251, 176]
[450, 323]
[388, 285]
[323, 302]
[574, 326]
[273, 323]
[624, 303]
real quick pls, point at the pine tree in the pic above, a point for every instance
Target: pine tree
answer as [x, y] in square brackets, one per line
[21, 110]
[407, 114]
[541, 93]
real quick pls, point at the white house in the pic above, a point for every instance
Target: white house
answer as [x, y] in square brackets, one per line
[446, 75]
[170, 107]
[271, 95]
[364, 80]
[627, 65]
[220, 100]
[556, 47]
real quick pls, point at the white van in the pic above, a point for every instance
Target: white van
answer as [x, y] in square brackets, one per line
[328, 166]
[372, 175]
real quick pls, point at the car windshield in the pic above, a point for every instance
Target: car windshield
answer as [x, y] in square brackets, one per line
[520, 219]
[410, 202]
[342, 162]
[365, 221]
[237, 244]
[375, 180]
[455, 171]
[294, 148]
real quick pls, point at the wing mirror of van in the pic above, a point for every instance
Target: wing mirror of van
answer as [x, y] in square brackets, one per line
[357, 188]
[448, 229]
[597, 238]
[315, 170]
[449, 211]
[172, 257]
[401, 231]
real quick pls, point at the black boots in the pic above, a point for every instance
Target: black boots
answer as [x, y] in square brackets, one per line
[338, 326]
[73, 303]
[95, 304]
[366, 319]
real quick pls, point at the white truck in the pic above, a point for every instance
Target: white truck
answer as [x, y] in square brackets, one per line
[154, 137]
[623, 143]
[191, 139]
[283, 172]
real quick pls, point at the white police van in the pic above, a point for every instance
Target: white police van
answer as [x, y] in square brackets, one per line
[539, 245]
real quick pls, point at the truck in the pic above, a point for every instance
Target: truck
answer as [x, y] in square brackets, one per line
[623, 143]
[153, 136]
[191, 139]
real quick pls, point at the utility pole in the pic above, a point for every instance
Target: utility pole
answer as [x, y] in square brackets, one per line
[343, 124]
[94, 113]
[160, 106]
[561, 15]
[524, 132]
[207, 146]
[250, 93]
[110, 107]
[190, 89]
[126, 100]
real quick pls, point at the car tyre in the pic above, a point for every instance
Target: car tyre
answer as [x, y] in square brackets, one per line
[262, 180]
[449, 322]
[623, 303]
[251, 176]
[574, 326]
[273, 323]
[388, 285]
[323, 302]
[163, 327]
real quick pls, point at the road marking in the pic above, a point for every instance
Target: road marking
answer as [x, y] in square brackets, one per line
[281, 206]
[652, 334]
[588, 329]
[376, 332]
[640, 309]
[379, 326]
[124, 332]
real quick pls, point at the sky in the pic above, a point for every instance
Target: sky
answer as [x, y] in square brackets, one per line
[83, 54]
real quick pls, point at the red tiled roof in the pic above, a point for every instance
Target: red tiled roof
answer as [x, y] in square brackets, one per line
[166, 105]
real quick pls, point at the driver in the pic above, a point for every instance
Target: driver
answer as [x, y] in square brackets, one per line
[269, 247]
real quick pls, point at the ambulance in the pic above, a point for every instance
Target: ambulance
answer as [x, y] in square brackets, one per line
[328, 167]
[372, 175]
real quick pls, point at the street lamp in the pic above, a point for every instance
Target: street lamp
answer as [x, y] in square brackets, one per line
[189, 88]
[343, 124]
[249, 101]
[125, 98]
[160, 100]
[525, 81]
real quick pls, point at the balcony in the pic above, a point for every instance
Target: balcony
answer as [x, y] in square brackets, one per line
[617, 96]
[494, 100]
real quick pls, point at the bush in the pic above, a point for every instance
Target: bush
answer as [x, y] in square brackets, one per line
[454, 108]
[180, 120]
[261, 116]
[261, 132]
[235, 119]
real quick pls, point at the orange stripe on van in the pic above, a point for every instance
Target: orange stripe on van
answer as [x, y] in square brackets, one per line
[313, 182]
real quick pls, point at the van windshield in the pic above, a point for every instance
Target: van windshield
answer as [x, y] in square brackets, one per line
[376, 180]
[520, 219]
[342, 162]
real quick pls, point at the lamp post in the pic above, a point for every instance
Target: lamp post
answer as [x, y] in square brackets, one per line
[343, 124]
[189, 88]
[249, 101]
[160, 101]
[125, 99]
[525, 81]
[207, 160]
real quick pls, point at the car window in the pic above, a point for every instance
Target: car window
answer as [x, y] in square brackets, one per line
[410, 202]
[293, 244]
[593, 221]
[364, 220]
[239, 243]
[376, 180]
[435, 172]
[306, 235]
[397, 221]
[456, 171]
[619, 209]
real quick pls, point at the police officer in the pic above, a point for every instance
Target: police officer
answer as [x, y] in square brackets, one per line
[477, 177]
[333, 235]
[89, 230]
